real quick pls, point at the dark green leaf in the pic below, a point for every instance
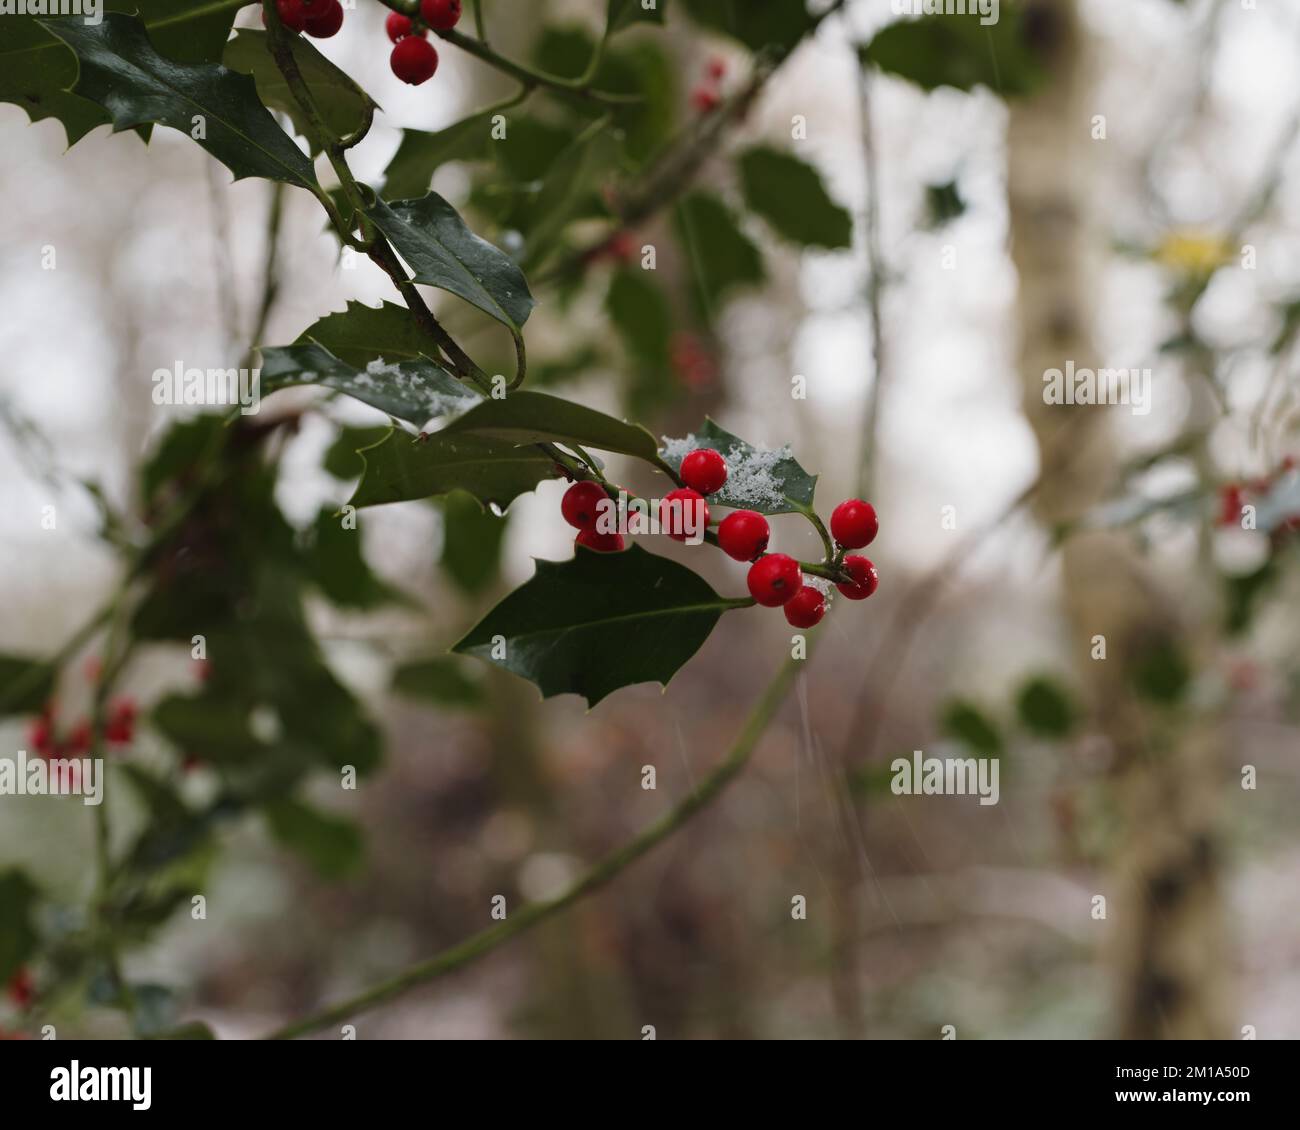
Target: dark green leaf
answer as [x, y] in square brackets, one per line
[788, 193]
[572, 179]
[211, 728]
[25, 685]
[1045, 709]
[421, 153]
[471, 542]
[18, 934]
[443, 252]
[37, 70]
[343, 459]
[599, 622]
[536, 417]
[640, 313]
[968, 724]
[941, 50]
[335, 561]
[943, 204]
[771, 482]
[120, 70]
[721, 256]
[414, 390]
[441, 680]
[344, 106]
[1161, 673]
[361, 333]
[756, 23]
[1245, 590]
[399, 468]
[330, 843]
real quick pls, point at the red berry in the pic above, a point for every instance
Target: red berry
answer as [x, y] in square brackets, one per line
[21, 989]
[291, 14]
[704, 470]
[854, 523]
[326, 21]
[773, 580]
[441, 14]
[601, 543]
[743, 534]
[865, 578]
[1230, 504]
[1287, 464]
[716, 68]
[41, 737]
[705, 99]
[414, 60]
[399, 26]
[683, 513]
[120, 727]
[79, 739]
[582, 504]
[806, 608]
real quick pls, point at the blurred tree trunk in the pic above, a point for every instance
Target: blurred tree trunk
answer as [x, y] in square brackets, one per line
[1166, 910]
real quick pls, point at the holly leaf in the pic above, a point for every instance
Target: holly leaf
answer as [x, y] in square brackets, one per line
[421, 152]
[18, 934]
[335, 561]
[1045, 709]
[968, 724]
[25, 685]
[572, 178]
[788, 193]
[414, 390]
[331, 844]
[37, 69]
[768, 481]
[938, 50]
[537, 417]
[121, 71]
[342, 458]
[599, 622]
[620, 14]
[441, 680]
[441, 251]
[399, 468]
[722, 258]
[361, 333]
[756, 23]
[641, 314]
[344, 106]
[471, 543]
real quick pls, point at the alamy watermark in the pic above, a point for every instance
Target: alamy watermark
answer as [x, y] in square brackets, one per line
[209, 387]
[1131, 387]
[987, 10]
[91, 10]
[53, 776]
[946, 776]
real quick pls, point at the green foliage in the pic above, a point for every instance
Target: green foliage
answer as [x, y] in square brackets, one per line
[343, 459]
[331, 844]
[25, 685]
[334, 560]
[37, 70]
[943, 204]
[18, 934]
[121, 71]
[422, 152]
[784, 476]
[1044, 709]
[621, 14]
[442, 681]
[788, 193]
[758, 24]
[938, 50]
[722, 258]
[968, 724]
[471, 543]
[1161, 673]
[344, 106]
[570, 629]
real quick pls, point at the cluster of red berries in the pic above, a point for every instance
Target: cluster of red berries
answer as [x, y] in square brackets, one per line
[318, 18]
[119, 730]
[414, 58]
[707, 96]
[775, 580]
[1233, 496]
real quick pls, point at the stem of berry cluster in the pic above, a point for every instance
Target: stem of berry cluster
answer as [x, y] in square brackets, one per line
[613, 864]
[478, 47]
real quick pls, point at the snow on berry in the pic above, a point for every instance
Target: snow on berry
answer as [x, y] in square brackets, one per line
[752, 478]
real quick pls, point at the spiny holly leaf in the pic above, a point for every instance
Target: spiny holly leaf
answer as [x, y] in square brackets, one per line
[120, 70]
[433, 239]
[771, 482]
[788, 193]
[536, 417]
[37, 70]
[599, 622]
[939, 50]
[624, 13]
[398, 469]
[422, 152]
[25, 685]
[414, 390]
[441, 680]
[721, 256]
[343, 105]
[361, 333]
[471, 543]
[342, 459]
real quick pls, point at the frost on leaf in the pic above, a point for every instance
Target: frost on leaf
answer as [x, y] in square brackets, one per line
[758, 478]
